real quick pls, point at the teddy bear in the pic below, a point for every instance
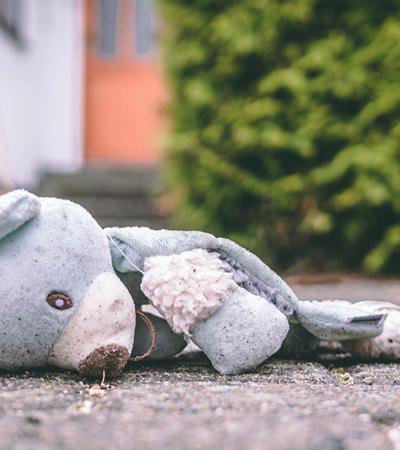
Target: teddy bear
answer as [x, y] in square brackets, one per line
[69, 290]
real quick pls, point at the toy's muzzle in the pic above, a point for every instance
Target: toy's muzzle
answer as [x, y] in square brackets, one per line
[99, 336]
[109, 359]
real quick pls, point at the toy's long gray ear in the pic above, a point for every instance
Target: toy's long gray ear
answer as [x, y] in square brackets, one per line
[339, 320]
[16, 208]
[264, 274]
[130, 247]
[138, 243]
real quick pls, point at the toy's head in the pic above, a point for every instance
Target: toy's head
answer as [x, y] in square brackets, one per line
[61, 302]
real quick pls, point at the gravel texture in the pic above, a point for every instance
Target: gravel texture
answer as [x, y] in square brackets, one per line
[329, 404]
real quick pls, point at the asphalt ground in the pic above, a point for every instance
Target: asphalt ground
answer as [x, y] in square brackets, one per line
[320, 404]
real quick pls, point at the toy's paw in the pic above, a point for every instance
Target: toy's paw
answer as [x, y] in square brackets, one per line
[186, 288]
[244, 332]
[236, 329]
[336, 320]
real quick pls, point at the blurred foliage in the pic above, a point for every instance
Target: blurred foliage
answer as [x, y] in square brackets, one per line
[286, 127]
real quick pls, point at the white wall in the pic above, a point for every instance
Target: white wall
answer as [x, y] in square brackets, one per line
[41, 92]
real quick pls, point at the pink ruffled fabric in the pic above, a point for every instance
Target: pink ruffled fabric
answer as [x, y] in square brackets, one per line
[186, 288]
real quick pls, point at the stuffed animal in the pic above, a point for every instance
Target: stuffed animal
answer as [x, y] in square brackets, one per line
[225, 299]
[61, 303]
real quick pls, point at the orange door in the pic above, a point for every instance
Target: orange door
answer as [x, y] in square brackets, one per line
[125, 92]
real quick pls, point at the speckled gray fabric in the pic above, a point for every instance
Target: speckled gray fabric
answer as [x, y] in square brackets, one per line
[138, 243]
[268, 331]
[337, 321]
[16, 208]
[245, 279]
[62, 248]
[261, 279]
[245, 331]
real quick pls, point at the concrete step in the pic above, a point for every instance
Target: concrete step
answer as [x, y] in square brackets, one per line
[115, 196]
[103, 181]
[118, 207]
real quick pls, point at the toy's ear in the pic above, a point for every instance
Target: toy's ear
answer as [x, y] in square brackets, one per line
[131, 246]
[16, 208]
[260, 271]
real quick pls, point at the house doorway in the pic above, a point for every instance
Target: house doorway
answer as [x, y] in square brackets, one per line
[124, 89]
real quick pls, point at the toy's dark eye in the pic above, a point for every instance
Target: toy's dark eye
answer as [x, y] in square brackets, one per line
[59, 300]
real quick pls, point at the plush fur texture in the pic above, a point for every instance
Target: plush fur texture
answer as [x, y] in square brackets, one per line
[245, 329]
[336, 320]
[139, 243]
[245, 279]
[244, 332]
[265, 282]
[199, 298]
[186, 288]
[16, 208]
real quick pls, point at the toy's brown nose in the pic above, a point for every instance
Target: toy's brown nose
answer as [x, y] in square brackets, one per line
[110, 359]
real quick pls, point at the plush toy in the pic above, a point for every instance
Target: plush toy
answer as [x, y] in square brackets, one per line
[61, 302]
[224, 298]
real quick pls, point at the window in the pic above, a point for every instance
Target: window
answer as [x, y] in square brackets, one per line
[11, 19]
[144, 27]
[107, 25]
[124, 28]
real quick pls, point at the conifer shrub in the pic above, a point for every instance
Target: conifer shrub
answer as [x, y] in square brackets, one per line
[285, 127]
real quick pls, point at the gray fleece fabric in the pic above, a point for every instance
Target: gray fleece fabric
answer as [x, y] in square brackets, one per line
[16, 208]
[247, 328]
[339, 320]
[138, 243]
[46, 245]
[244, 332]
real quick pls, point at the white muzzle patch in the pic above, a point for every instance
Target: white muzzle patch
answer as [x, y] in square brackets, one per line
[105, 316]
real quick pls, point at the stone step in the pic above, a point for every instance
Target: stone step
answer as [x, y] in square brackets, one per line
[118, 208]
[103, 181]
[114, 196]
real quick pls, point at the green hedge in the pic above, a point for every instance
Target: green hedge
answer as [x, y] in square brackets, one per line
[286, 127]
